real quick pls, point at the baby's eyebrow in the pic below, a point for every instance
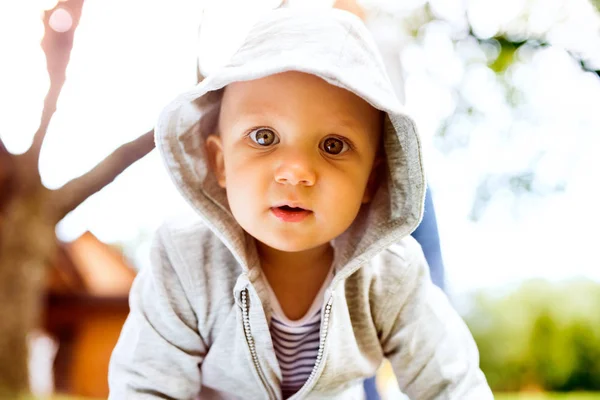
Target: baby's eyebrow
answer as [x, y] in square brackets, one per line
[250, 117]
[350, 124]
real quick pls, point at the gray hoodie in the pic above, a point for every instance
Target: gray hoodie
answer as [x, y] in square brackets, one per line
[199, 320]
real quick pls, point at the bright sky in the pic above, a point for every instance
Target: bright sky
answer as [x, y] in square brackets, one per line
[127, 64]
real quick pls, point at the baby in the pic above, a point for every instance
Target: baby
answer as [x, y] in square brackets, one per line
[300, 276]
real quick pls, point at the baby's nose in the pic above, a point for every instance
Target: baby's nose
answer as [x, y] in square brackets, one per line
[296, 169]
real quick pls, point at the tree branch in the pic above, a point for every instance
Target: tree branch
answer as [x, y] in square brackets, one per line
[57, 47]
[7, 172]
[47, 113]
[79, 189]
[3, 150]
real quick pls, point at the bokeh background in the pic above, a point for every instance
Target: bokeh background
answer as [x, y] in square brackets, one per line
[506, 97]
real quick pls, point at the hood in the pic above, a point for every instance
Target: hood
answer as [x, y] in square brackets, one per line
[337, 47]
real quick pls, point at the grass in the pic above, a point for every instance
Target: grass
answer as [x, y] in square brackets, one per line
[547, 396]
[497, 396]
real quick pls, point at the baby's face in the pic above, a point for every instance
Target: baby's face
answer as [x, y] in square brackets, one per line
[295, 155]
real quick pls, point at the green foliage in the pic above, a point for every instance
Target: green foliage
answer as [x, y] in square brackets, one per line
[547, 396]
[541, 335]
[506, 55]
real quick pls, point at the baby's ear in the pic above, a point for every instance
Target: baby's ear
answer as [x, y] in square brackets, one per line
[216, 161]
[375, 177]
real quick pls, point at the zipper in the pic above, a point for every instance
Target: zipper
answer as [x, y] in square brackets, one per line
[251, 345]
[320, 352]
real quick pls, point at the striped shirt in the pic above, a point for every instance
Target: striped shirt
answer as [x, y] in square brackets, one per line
[296, 343]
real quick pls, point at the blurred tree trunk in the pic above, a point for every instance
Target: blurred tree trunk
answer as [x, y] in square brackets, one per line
[26, 242]
[29, 213]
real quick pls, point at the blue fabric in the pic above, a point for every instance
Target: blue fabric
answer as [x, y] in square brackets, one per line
[427, 236]
[429, 239]
[371, 389]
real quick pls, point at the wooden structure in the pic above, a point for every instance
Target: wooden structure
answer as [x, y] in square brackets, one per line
[86, 305]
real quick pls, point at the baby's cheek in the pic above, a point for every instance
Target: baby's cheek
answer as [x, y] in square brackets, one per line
[346, 201]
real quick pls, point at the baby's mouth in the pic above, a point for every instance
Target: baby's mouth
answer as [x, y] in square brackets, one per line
[291, 209]
[290, 214]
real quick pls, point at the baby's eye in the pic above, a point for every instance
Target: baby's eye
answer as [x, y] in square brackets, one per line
[334, 146]
[264, 137]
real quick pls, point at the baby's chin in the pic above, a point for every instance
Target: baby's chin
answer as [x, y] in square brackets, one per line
[291, 245]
